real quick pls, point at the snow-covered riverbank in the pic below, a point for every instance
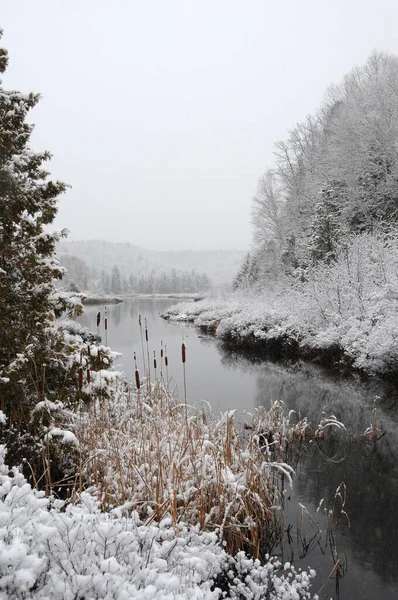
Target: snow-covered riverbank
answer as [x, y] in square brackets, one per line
[47, 551]
[343, 314]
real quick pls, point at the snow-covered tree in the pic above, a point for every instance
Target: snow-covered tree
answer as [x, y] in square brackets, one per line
[336, 174]
[33, 350]
[268, 206]
[116, 280]
[241, 278]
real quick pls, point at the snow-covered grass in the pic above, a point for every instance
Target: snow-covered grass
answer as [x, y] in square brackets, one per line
[152, 455]
[52, 551]
[349, 305]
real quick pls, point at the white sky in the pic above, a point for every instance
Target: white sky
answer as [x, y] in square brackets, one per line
[162, 114]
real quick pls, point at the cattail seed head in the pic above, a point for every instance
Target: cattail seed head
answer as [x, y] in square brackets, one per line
[106, 324]
[98, 318]
[80, 379]
[166, 361]
[137, 379]
[139, 320]
[183, 354]
[88, 376]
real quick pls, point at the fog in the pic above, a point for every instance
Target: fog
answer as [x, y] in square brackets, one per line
[162, 115]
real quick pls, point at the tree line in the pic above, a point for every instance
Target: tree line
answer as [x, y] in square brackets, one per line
[335, 177]
[80, 277]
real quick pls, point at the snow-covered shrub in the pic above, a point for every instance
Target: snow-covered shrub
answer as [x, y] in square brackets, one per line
[350, 303]
[49, 550]
[353, 303]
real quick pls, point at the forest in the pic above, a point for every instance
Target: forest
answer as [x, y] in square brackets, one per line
[335, 179]
[321, 280]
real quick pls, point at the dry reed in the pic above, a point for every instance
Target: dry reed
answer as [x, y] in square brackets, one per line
[136, 456]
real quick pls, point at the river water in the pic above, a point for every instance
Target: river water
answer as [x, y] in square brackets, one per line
[367, 546]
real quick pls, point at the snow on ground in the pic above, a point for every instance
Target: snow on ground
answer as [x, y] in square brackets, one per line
[351, 303]
[54, 551]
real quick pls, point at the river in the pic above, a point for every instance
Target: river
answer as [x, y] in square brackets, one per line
[367, 546]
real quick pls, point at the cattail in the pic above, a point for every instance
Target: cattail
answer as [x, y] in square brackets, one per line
[137, 383]
[88, 350]
[147, 348]
[88, 376]
[80, 379]
[183, 354]
[106, 327]
[166, 362]
[142, 341]
[137, 379]
[154, 360]
[98, 323]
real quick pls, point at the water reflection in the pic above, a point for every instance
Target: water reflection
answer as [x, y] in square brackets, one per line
[370, 544]
[208, 379]
[228, 380]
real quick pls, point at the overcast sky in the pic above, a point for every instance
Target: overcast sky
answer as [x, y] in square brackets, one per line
[162, 114]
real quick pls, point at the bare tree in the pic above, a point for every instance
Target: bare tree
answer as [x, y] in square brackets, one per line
[268, 210]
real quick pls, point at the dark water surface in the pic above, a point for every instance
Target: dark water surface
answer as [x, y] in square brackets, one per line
[368, 548]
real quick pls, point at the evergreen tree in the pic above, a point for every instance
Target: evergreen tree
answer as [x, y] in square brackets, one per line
[328, 229]
[105, 283]
[116, 280]
[253, 274]
[34, 351]
[241, 278]
[27, 262]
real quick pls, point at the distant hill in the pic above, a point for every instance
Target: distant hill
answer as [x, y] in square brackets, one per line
[219, 265]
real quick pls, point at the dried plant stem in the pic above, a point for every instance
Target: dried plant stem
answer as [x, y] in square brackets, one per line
[142, 342]
[147, 349]
[183, 357]
[98, 322]
[166, 362]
